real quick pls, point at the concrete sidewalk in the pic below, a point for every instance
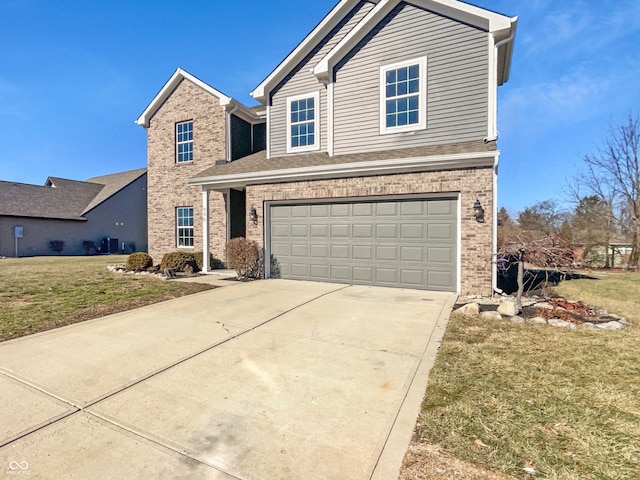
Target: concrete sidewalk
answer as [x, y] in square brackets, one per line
[263, 380]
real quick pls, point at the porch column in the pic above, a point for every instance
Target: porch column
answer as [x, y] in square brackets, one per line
[205, 230]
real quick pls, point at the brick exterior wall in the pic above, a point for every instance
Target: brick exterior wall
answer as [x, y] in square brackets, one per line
[476, 261]
[167, 180]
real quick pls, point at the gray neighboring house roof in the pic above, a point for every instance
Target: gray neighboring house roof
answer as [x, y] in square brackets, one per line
[60, 198]
[257, 168]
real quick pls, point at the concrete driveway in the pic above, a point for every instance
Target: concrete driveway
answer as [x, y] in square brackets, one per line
[270, 379]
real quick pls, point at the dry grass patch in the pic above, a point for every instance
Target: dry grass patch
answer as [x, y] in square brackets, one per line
[42, 293]
[565, 404]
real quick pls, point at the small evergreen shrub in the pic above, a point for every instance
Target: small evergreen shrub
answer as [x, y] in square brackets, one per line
[180, 262]
[139, 262]
[242, 256]
[214, 263]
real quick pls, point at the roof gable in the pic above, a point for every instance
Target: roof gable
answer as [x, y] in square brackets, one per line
[60, 198]
[328, 23]
[168, 88]
[501, 27]
[112, 185]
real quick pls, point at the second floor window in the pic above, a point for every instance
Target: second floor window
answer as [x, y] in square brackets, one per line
[302, 123]
[184, 225]
[184, 142]
[403, 96]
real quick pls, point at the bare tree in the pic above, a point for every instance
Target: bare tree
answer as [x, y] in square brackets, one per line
[613, 172]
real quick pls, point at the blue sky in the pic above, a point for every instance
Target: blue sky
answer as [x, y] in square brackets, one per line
[74, 75]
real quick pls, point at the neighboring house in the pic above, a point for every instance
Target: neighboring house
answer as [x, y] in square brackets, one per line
[380, 139]
[76, 215]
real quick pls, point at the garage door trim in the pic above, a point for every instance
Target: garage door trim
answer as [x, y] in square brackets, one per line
[374, 198]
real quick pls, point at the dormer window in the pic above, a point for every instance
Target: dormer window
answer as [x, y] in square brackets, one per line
[302, 123]
[184, 142]
[403, 96]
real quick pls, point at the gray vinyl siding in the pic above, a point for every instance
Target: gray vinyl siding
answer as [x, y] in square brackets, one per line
[302, 81]
[457, 82]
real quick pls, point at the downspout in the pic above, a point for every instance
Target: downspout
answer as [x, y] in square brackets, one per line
[504, 41]
[494, 240]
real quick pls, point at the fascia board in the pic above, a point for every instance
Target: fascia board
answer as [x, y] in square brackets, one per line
[168, 89]
[303, 49]
[463, 12]
[356, 169]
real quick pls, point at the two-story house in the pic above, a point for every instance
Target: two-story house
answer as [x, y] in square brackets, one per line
[374, 153]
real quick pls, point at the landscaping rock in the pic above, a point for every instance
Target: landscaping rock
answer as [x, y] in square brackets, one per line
[587, 326]
[469, 310]
[610, 325]
[508, 308]
[538, 320]
[557, 322]
[491, 315]
[517, 319]
[544, 305]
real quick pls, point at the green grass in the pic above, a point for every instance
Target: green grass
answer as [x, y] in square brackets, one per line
[41, 293]
[565, 402]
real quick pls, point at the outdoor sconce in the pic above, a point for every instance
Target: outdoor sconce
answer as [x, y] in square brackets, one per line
[478, 211]
[253, 216]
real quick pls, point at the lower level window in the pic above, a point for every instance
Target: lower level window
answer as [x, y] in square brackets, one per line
[184, 223]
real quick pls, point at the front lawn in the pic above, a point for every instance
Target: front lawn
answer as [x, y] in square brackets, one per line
[561, 404]
[42, 293]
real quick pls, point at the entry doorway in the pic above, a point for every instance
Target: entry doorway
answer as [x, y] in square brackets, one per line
[237, 213]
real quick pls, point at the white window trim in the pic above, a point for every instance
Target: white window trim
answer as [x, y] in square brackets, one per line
[178, 227]
[422, 97]
[316, 123]
[180, 162]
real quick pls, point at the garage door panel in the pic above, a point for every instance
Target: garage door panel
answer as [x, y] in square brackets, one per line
[300, 231]
[440, 231]
[386, 208]
[412, 208]
[400, 243]
[363, 274]
[339, 210]
[339, 231]
[389, 252]
[319, 272]
[362, 209]
[340, 272]
[319, 211]
[413, 277]
[363, 231]
[440, 255]
[412, 230]
[318, 230]
[319, 251]
[362, 252]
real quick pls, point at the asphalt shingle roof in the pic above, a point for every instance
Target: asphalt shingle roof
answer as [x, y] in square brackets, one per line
[61, 198]
[258, 162]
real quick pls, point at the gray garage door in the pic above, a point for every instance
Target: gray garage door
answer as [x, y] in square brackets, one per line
[397, 243]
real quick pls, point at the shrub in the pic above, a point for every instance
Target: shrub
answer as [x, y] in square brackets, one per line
[180, 262]
[214, 263]
[138, 262]
[242, 256]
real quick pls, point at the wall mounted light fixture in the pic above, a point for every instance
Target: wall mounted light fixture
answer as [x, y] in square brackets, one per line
[253, 215]
[478, 211]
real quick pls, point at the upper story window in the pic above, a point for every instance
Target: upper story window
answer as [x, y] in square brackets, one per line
[302, 123]
[184, 142]
[184, 226]
[403, 96]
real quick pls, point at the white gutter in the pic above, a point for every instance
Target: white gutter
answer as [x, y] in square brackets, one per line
[359, 169]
